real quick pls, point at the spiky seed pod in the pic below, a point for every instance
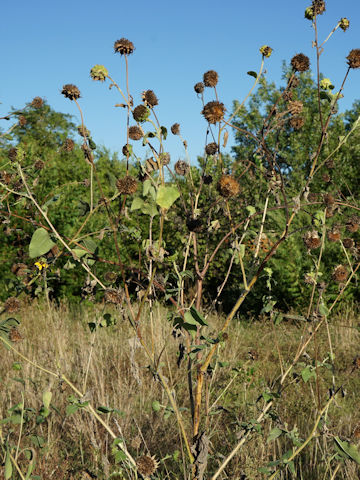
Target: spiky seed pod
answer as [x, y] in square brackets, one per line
[70, 91]
[228, 186]
[124, 46]
[99, 73]
[135, 133]
[207, 179]
[127, 185]
[211, 78]
[83, 131]
[266, 51]
[199, 87]
[318, 7]
[39, 164]
[12, 155]
[352, 224]
[37, 102]
[14, 335]
[113, 296]
[334, 235]
[214, 111]
[297, 122]
[354, 58]
[146, 465]
[348, 243]
[110, 277]
[194, 224]
[312, 240]
[68, 145]
[326, 177]
[340, 274]
[22, 121]
[150, 98]
[141, 113]
[295, 107]
[211, 148]
[309, 13]
[328, 199]
[181, 168]
[344, 24]
[175, 129]
[12, 304]
[300, 62]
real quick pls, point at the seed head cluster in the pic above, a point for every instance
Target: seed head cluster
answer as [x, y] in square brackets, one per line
[99, 73]
[11, 305]
[300, 62]
[312, 240]
[113, 296]
[211, 148]
[199, 87]
[354, 58]
[228, 186]
[68, 145]
[175, 129]
[318, 7]
[124, 46]
[214, 112]
[344, 24]
[297, 122]
[211, 78]
[70, 91]
[146, 465]
[295, 107]
[340, 274]
[150, 98]
[266, 51]
[135, 133]
[127, 185]
[141, 113]
[181, 168]
[37, 102]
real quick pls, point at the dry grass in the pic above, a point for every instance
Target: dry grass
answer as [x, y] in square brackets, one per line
[119, 377]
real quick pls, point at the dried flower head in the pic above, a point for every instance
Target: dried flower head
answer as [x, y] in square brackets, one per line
[266, 51]
[340, 274]
[348, 243]
[334, 235]
[37, 102]
[124, 46]
[318, 7]
[228, 186]
[354, 58]
[14, 335]
[6, 177]
[287, 95]
[214, 111]
[199, 87]
[68, 145]
[328, 199]
[352, 224]
[146, 465]
[150, 98]
[300, 62]
[127, 185]
[39, 164]
[70, 91]
[297, 122]
[326, 177]
[113, 296]
[211, 148]
[181, 167]
[12, 304]
[295, 107]
[344, 24]
[135, 133]
[22, 121]
[312, 240]
[19, 269]
[141, 113]
[309, 279]
[12, 154]
[211, 78]
[99, 73]
[175, 129]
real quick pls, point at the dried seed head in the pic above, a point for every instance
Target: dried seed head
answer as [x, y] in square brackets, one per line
[309, 279]
[207, 179]
[37, 102]
[68, 145]
[12, 304]
[136, 442]
[194, 224]
[326, 177]
[124, 46]
[141, 113]
[344, 24]
[328, 199]
[113, 296]
[83, 131]
[295, 107]
[266, 51]
[348, 243]
[70, 91]
[14, 335]
[318, 7]
[126, 150]
[146, 465]
[334, 235]
[297, 122]
[110, 277]
[340, 273]
[175, 129]
[211, 78]
[312, 240]
[199, 87]
[354, 58]
[287, 95]
[300, 62]
[127, 185]
[6, 177]
[12, 154]
[22, 121]
[330, 211]
[164, 158]
[181, 168]
[135, 133]
[211, 148]
[99, 73]
[214, 111]
[150, 98]
[228, 186]
[312, 197]
[39, 164]
[352, 224]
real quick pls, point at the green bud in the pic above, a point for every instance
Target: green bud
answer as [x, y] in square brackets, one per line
[266, 51]
[309, 13]
[326, 84]
[99, 73]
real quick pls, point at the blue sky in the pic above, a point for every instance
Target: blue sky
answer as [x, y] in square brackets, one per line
[48, 44]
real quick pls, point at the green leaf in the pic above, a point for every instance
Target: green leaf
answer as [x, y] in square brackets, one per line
[156, 406]
[136, 204]
[83, 208]
[252, 73]
[103, 409]
[198, 317]
[274, 433]
[79, 252]
[323, 310]
[40, 243]
[8, 467]
[166, 196]
[46, 398]
[149, 208]
[326, 96]
[163, 132]
[251, 209]
[90, 244]
[350, 450]
[308, 373]
[70, 409]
